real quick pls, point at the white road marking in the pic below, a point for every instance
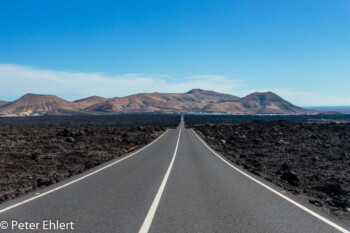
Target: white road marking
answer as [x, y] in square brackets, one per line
[80, 178]
[323, 219]
[150, 215]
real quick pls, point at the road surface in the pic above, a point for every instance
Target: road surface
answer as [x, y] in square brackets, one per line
[174, 184]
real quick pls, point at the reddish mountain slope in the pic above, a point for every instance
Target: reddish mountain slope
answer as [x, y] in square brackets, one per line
[86, 102]
[193, 100]
[32, 103]
[258, 103]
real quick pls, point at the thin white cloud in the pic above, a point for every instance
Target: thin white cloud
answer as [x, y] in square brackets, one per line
[17, 80]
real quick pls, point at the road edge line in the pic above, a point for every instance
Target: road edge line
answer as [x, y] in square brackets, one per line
[152, 210]
[80, 178]
[323, 219]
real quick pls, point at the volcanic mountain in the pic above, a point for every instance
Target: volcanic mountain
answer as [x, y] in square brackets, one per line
[257, 103]
[196, 100]
[32, 103]
[193, 100]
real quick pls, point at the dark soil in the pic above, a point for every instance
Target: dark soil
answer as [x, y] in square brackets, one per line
[308, 158]
[37, 152]
[192, 120]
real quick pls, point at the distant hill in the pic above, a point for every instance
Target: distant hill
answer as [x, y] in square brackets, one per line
[86, 102]
[330, 109]
[258, 103]
[195, 100]
[32, 103]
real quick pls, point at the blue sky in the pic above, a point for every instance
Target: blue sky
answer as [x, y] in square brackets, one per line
[298, 49]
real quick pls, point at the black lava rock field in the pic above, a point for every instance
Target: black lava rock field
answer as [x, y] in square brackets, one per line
[305, 158]
[39, 151]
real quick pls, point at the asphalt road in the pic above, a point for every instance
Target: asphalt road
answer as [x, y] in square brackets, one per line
[175, 184]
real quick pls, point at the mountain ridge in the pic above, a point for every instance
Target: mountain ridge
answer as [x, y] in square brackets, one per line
[195, 100]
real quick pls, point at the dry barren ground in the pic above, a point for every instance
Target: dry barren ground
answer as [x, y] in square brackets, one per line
[308, 158]
[37, 152]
